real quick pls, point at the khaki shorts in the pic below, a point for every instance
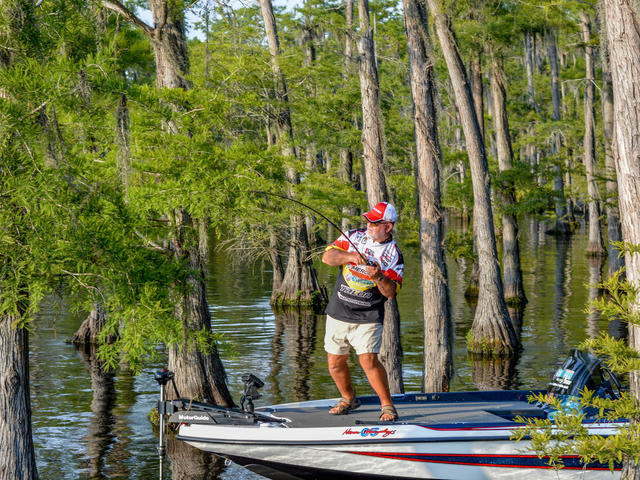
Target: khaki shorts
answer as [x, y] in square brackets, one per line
[363, 337]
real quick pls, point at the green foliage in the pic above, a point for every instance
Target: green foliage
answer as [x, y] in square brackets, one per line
[460, 245]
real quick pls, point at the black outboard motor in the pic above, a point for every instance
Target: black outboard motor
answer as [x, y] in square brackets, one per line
[582, 370]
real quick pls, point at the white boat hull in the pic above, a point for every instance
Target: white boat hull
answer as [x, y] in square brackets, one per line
[396, 451]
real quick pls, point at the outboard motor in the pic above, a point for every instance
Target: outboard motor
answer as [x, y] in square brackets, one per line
[581, 370]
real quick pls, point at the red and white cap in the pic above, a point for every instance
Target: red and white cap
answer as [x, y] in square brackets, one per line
[383, 211]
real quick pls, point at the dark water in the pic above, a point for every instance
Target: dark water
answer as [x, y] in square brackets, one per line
[94, 426]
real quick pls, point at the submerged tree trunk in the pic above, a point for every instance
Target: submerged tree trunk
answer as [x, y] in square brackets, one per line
[437, 366]
[562, 225]
[596, 243]
[623, 35]
[299, 285]
[492, 331]
[513, 285]
[91, 327]
[18, 455]
[276, 264]
[376, 185]
[198, 375]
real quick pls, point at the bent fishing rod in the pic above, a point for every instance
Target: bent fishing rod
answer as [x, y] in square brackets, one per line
[271, 194]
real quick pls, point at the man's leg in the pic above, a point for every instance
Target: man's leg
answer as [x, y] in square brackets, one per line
[339, 371]
[377, 376]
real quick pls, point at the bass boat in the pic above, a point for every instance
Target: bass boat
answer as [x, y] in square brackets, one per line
[453, 435]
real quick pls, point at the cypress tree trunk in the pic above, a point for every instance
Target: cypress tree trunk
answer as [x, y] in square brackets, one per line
[438, 329]
[492, 331]
[346, 155]
[596, 243]
[529, 64]
[614, 232]
[198, 375]
[18, 460]
[376, 185]
[372, 125]
[276, 264]
[513, 286]
[478, 90]
[18, 455]
[91, 327]
[169, 45]
[562, 225]
[623, 35]
[299, 285]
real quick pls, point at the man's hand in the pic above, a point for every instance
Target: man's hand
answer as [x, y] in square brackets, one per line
[386, 286]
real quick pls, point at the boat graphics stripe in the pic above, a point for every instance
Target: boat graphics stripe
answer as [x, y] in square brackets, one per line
[571, 462]
[498, 428]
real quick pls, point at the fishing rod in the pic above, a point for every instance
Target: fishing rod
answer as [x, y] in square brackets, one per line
[368, 262]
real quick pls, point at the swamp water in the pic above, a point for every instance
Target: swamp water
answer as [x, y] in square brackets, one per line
[88, 425]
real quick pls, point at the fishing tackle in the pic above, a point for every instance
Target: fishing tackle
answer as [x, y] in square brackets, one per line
[368, 262]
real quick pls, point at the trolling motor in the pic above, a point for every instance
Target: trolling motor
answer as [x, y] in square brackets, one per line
[251, 386]
[163, 377]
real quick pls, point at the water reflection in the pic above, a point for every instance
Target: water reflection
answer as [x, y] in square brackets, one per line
[299, 330]
[595, 278]
[516, 314]
[560, 288]
[100, 437]
[494, 373]
[189, 463]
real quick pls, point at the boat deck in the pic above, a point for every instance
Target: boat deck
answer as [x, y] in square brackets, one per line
[478, 408]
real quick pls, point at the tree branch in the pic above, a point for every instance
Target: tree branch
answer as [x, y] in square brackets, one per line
[119, 8]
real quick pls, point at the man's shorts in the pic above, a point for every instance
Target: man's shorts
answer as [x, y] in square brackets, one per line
[363, 337]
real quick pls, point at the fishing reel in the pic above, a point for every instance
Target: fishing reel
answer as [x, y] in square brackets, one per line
[251, 386]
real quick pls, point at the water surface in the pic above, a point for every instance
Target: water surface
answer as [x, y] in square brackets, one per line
[95, 426]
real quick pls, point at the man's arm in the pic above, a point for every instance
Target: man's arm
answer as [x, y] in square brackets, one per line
[334, 257]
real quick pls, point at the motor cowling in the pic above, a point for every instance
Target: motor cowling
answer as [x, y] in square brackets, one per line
[581, 370]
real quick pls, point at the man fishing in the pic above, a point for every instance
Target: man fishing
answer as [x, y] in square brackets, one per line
[372, 268]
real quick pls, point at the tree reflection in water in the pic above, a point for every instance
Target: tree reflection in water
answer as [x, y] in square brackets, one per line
[494, 373]
[560, 290]
[300, 338]
[100, 437]
[595, 277]
[189, 463]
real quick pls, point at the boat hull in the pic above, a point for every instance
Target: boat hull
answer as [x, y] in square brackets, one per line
[389, 451]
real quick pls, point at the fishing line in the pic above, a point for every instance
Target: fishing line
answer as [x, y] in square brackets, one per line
[318, 213]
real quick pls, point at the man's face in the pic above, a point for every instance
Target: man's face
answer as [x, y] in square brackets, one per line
[379, 231]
